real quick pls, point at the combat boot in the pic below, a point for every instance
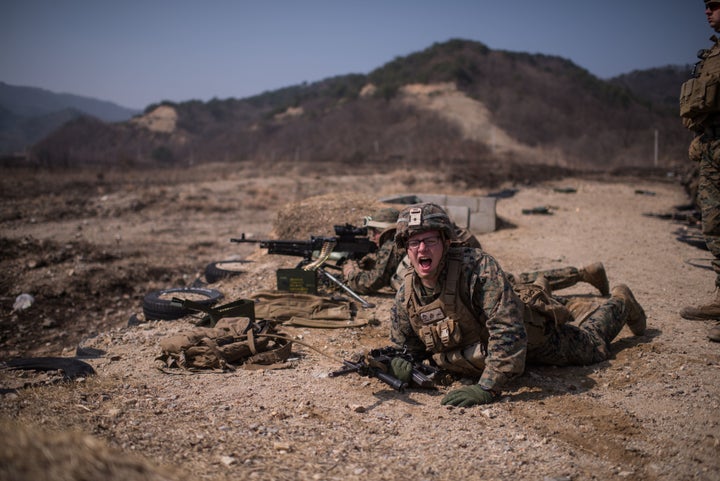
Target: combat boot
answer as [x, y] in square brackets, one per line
[543, 283]
[636, 319]
[714, 334]
[704, 312]
[594, 274]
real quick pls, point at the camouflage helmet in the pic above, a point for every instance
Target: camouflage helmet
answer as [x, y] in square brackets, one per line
[382, 218]
[419, 218]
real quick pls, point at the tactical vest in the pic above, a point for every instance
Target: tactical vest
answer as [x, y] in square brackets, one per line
[448, 328]
[700, 95]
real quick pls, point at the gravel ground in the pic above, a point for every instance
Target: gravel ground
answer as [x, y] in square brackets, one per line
[88, 255]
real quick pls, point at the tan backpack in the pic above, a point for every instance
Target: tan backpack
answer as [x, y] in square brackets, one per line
[231, 343]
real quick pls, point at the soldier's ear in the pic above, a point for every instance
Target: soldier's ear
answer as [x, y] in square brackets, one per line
[446, 240]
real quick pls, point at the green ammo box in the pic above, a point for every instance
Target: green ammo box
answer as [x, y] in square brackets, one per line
[297, 280]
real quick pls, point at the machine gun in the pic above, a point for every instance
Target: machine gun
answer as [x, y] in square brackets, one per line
[349, 242]
[376, 363]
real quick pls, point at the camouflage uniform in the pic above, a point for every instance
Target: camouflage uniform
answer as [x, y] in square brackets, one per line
[563, 277]
[515, 331]
[375, 271]
[701, 115]
[501, 325]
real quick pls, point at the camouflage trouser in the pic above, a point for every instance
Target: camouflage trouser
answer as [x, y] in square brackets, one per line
[558, 278]
[708, 198]
[572, 344]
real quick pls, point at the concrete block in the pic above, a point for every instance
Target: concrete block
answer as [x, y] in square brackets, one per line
[459, 214]
[469, 201]
[403, 199]
[484, 219]
[477, 214]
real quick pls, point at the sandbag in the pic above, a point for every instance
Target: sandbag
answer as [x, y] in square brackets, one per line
[307, 310]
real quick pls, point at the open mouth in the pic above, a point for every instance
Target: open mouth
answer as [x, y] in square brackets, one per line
[425, 262]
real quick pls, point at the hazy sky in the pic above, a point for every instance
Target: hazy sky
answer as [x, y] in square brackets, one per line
[134, 52]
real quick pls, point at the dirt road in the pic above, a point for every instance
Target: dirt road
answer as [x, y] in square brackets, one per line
[89, 248]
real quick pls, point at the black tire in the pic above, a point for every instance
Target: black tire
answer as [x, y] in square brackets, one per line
[157, 305]
[216, 271]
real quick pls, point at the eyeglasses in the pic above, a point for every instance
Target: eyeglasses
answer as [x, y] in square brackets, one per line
[428, 241]
[712, 6]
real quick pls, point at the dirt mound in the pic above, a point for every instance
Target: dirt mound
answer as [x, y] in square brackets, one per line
[30, 454]
[317, 215]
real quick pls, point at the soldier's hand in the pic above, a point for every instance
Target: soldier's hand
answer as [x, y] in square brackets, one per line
[468, 396]
[401, 368]
[349, 268]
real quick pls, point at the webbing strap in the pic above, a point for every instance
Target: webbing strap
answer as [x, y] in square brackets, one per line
[322, 323]
[451, 282]
[251, 341]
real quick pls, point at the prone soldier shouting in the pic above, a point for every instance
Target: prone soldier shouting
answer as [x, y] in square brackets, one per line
[458, 304]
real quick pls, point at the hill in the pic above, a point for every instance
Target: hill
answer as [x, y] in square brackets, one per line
[660, 86]
[28, 114]
[457, 104]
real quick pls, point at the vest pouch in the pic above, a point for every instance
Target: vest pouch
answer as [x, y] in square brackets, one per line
[427, 337]
[700, 96]
[469, 361]
[687, 108]
[537, 327]
[711, 93]
[449, 333]
[542, 303]
[442, 335]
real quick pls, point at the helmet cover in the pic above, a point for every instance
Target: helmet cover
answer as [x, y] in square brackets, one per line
[419, 218]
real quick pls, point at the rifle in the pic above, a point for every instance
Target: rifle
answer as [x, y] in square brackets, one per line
[349, 242]
[377, 364]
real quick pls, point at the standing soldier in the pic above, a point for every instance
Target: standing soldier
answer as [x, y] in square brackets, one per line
[700, 112]
[457, 304]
